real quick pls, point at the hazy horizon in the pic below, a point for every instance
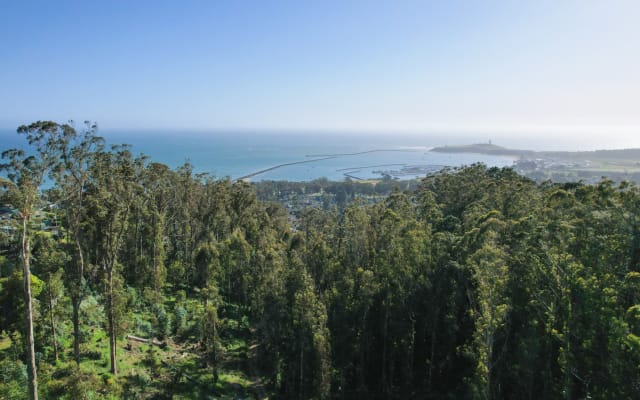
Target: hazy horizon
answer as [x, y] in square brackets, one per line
[545, 70]
[391, 138]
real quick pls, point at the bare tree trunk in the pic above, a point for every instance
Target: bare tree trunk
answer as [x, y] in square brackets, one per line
[490, 341]
[434, 330]
[568, 379]
[155, 269]
[80, 261]
[215, 353]
[76, 299]
[301, 388]
[52, 323]
[411, 353]
[112, 328]
[361, 353]
[385, 326]
[153, 341]
[31, 355]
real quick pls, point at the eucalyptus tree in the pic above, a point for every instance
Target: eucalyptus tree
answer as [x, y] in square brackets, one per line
[351, 298]
[207, 264]
[49, 259]
[25, 174]
[156, 190]
[490, 307]
[209, 329]
[235, 254]
[307, 352]
[77, 152]
[114, 186]
[180, 229]
[317, 230]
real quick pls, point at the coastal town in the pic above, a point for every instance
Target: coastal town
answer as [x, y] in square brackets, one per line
[563, 166]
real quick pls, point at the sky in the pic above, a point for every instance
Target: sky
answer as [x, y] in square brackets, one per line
[516, 67]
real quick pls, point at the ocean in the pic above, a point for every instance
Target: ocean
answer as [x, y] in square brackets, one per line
[310, 155]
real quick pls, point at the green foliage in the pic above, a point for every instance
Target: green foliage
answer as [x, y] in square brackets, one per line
[81, 386]
[13, 380]
[180, 320]
[162, 322]
[479, 284]
[12, 299]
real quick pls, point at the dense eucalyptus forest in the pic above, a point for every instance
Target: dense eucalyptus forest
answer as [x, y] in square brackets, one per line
[123, 278]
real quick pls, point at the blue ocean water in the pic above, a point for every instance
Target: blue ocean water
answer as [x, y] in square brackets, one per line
[329, 155]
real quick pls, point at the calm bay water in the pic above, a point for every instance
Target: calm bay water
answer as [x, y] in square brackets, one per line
[236, 155]
[239, 154]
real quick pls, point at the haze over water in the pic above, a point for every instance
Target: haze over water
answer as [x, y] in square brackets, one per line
[237, 154]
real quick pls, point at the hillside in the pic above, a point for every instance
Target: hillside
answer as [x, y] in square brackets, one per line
[163, 284]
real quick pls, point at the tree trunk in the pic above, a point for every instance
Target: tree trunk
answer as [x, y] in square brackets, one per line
[155, 270]
[489, 357]
[385, 328]
[215, 353]
[52, 323]
[568, 386]
[411, 354]
[76, 299]
[362, 358]
[432, 352]
[301, 370]
[31, 355]
[153, 341]
[112, 328]
[80, 261]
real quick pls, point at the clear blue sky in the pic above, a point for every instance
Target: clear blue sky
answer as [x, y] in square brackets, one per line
[516, 66]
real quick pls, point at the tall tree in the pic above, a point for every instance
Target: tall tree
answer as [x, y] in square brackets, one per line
[209, 330]
[114, 187]
[157, 184]
[48, 261]
[26, 174]
[77, 152]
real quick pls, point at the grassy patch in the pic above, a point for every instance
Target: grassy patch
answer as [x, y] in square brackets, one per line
[175, 371]
[5, 343]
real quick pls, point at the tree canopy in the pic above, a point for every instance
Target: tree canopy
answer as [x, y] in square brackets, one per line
[125, 278]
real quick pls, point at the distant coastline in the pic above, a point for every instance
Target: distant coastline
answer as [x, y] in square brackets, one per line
[482, 148]
[492, 149]
[562, 166]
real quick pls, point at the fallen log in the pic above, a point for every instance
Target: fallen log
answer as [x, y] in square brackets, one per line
[153, 341]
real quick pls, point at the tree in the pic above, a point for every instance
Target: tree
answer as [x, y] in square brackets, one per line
[157, 187]
[209, 331]
[26, 174]
[490, 307]
[72, 173]
[309, 348]
[49, 260]
[114, 186]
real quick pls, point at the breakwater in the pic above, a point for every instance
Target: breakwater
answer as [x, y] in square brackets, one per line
[262, 171]
[363, 152]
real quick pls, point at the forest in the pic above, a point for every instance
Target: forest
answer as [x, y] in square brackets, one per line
[123, 278]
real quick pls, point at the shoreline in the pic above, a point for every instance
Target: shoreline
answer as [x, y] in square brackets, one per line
[404, 170]
[322, 157]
